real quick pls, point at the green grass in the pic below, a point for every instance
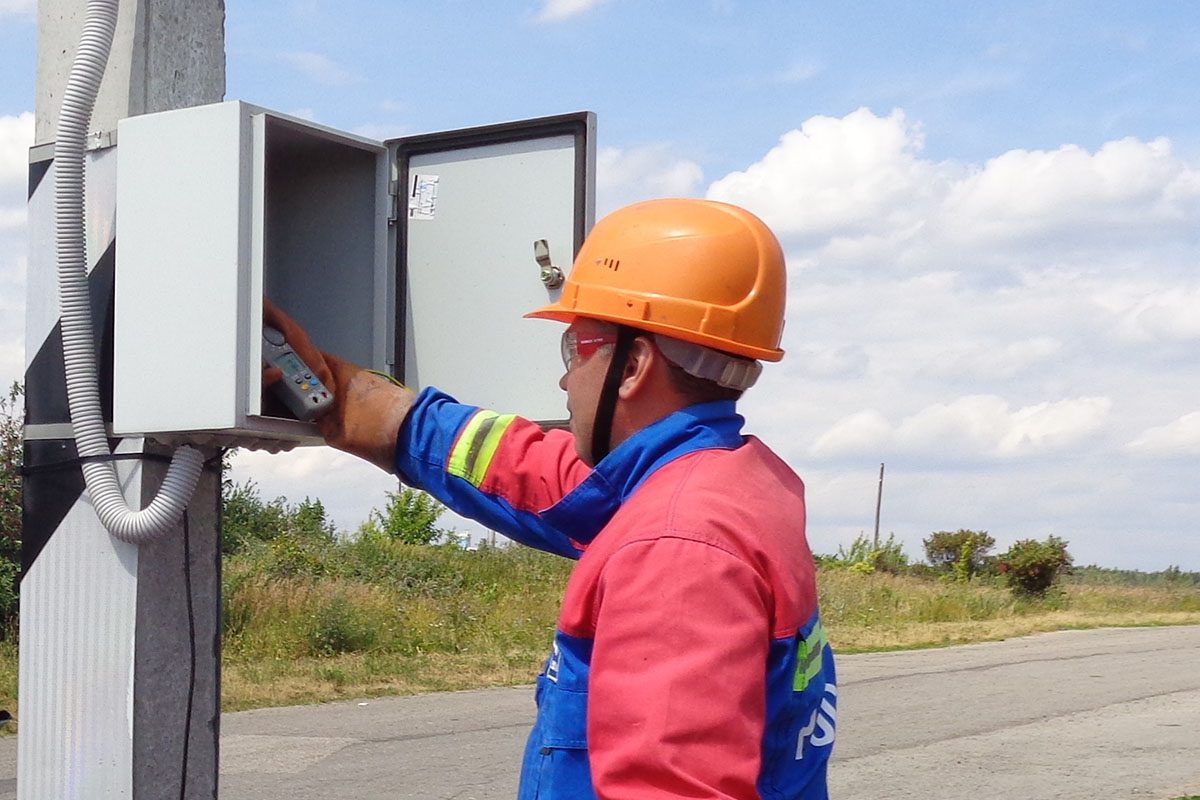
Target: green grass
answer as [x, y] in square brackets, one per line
[8, 674]
[381, 617]
[891, 612]
[309, 622]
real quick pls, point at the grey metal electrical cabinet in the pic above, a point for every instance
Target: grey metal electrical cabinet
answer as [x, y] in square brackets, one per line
[415, 256]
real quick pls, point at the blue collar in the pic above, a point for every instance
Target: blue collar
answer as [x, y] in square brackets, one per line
[583, 512]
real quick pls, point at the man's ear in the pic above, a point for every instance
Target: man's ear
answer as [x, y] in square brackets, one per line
[639, 368]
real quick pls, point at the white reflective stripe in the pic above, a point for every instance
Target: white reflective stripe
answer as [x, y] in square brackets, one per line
[732, 372]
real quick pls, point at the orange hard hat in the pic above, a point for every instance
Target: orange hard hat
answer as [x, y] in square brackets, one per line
[704, 272]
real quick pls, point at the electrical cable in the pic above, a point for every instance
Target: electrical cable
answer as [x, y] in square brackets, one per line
[79, 356]
[187, 720]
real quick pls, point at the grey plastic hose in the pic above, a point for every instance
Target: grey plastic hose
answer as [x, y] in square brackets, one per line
[83, 392]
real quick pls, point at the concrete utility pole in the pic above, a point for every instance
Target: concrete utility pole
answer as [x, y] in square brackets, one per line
[112, 703]
[878, 508]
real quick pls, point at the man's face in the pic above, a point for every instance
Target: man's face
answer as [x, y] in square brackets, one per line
[587, 349]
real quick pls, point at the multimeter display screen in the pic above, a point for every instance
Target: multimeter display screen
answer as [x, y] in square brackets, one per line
[290, 364]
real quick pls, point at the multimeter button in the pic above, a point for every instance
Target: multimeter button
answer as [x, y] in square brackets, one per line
[308, 374]
[298, 380]
[314, 382]
[304, 388]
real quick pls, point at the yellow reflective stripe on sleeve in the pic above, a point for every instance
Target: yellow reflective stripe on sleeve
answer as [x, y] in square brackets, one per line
[809, 657]
[475, 448]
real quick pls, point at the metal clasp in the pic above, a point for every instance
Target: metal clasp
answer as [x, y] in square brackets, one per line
[551, 275]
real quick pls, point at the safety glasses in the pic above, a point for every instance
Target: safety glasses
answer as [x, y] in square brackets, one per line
[578, 345]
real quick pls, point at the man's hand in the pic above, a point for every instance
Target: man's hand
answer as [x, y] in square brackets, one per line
[367, 409]
[297, 337]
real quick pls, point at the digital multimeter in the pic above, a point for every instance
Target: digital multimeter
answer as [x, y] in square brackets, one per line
[300, 390]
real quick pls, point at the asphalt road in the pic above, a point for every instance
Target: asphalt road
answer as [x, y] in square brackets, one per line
[1078, 714]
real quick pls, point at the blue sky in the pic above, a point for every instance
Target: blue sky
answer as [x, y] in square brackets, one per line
[991, 213]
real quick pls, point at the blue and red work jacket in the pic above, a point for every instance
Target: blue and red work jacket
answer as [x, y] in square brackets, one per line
[689, 659]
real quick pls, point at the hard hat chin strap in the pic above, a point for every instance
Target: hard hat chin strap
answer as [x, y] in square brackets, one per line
[606, 406]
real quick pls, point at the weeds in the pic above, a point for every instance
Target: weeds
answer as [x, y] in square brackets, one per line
[305, 623]
[383, 617]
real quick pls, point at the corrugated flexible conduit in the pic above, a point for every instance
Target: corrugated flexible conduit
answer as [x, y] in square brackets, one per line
[83, 392]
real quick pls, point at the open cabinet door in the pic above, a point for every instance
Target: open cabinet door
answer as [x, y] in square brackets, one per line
[471, 204]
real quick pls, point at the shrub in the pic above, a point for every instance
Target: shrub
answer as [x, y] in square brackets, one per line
[924, 572]
[290, 555]
[1031, 567]
[410, 516]
[236, 611]
[340, 626]
[12, 458]
[962, 553]
[1172, 576]
[866, 558]
[428, 571]
[246, 519]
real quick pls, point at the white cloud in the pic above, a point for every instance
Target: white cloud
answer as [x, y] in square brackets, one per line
[12, 363]
[987, 359]
[347, 486]
[1127, 185]
[625, 176]
[864, 433]
[559, 10]
[1152, 313]
[292, 466]
[16, 136]
[319, 68]
[12, 219]
[967, 427]
[1180, 437]
[854, 176]
[12, 282]
[18, 8]
[382, 132]
[830, 361]
[854, 193]
[971, 428]
[1049, 427]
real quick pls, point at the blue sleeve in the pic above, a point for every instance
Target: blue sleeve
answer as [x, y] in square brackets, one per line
[499, 470]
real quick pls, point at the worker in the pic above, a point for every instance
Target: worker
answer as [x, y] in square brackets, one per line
[689, 659]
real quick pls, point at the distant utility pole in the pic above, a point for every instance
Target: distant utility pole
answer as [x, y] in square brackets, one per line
[878, 506]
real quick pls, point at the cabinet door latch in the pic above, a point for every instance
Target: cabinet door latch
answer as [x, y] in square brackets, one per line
[551, 275]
